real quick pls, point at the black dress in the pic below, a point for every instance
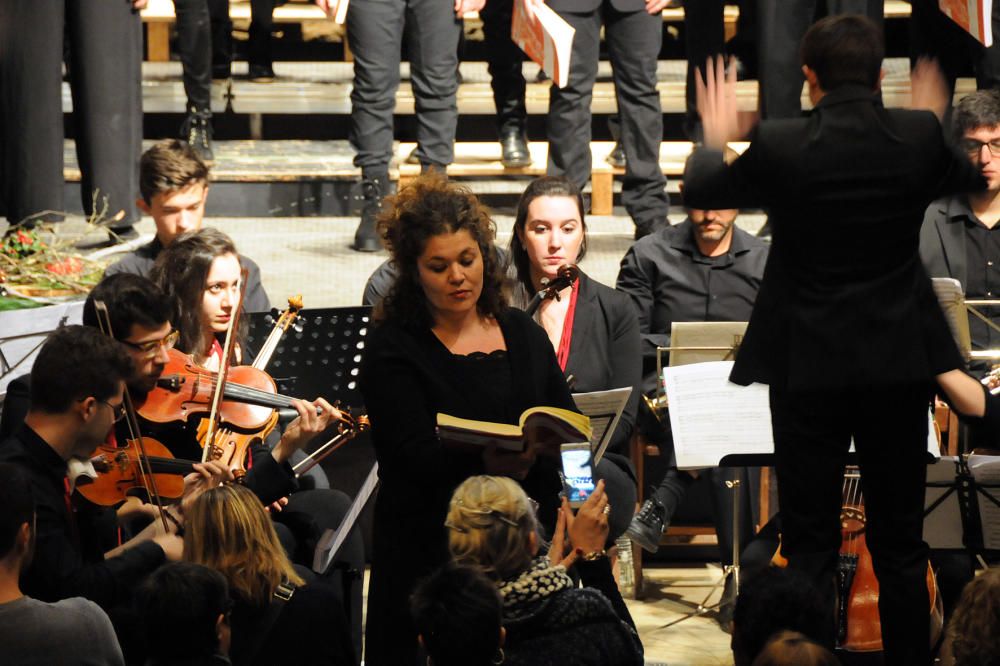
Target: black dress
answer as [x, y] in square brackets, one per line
[407, 377]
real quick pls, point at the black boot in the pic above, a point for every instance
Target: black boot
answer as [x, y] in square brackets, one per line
[616, 157]
[656, 512]
[197, 131]
[373, 190]
[514, 144]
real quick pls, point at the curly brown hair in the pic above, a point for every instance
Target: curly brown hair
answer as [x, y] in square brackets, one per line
[430, 206]
[974, 629]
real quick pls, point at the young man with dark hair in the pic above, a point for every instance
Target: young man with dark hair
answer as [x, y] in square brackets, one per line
[185, 615]
[27, 626]
[457, 613]
[846, 328]
[174, 183]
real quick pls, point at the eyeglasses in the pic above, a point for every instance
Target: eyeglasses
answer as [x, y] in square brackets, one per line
[151, 347]
[973, 148]
[118, 410]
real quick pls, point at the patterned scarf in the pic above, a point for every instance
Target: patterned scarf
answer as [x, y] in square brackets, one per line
[539, 582]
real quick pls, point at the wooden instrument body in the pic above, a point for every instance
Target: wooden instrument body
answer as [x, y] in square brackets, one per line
[120, 476]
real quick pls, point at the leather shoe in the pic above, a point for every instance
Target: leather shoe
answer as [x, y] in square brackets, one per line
[514, 145]
[373, 190]
[616, 157]
[261, 73]
[197, 131]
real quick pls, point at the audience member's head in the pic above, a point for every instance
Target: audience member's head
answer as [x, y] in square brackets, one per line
[200, 274]
[184, 609]
[139, 313]
[491, 524]
[774, 600]
[440, 238]
[790, 648]
[228, 529]
[975, 124]
[174, 185]
[17, 520]
[974, 628]
[79, 376]
[844, 50]
[457, 613]
[549, 230]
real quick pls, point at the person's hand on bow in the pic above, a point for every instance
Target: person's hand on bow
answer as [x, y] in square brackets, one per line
[314, 417]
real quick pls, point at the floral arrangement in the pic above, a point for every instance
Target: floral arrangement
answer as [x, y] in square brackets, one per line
[37, 262]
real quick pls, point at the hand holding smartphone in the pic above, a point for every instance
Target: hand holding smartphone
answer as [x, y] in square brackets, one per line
[577, 472]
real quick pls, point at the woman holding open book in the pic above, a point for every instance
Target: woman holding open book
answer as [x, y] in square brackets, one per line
[593, 328]
[445, 342]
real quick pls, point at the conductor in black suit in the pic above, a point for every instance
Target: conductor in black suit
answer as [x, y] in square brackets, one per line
[846, 329]
[633, 31]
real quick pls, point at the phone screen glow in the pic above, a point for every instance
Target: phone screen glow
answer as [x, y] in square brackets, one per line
[579, 477]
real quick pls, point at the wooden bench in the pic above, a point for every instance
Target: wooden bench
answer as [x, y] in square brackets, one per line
[159, 17]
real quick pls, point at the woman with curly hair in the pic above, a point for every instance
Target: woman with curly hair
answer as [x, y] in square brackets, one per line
[445, 341]
[973, 637]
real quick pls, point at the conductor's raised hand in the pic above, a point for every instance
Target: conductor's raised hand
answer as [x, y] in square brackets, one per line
[325, 6]
[715, 88]
[588, 529]
[463, 7]
[656, 6]
[314, 417]
[928, 88]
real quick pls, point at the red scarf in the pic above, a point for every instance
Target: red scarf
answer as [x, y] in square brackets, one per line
[562, 355]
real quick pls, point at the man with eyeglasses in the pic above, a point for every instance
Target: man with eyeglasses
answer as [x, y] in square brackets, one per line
[960, 237]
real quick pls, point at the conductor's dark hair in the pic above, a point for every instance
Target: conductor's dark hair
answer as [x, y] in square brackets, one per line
[179, 605]
[546, 186]
[17, 505]
[978, 109]
[77, 362]
[844, 50]
[131, 299]
[431, 206]
[457, 610]
[169, 165]
[774, 600]
[181, 271]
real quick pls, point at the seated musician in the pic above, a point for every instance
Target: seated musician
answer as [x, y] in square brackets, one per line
[174, 183]
[277, 618]
[703, 269]
[27, 625]
[77, 385]
[593, 328]
[445, 341]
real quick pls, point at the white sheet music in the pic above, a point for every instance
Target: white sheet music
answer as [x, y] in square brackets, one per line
[712, 417]
[22, 333]
[986, 470]
[331, 541]
[605, 410]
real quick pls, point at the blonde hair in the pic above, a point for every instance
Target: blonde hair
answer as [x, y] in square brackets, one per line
[228, 530]
[490, 522]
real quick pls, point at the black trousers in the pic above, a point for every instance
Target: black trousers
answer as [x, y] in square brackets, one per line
[104, 63]
[781, 25]
[375, 29]
[504, 59]
[261, 24]
[812, 434]
[204, 34]
[633, 40]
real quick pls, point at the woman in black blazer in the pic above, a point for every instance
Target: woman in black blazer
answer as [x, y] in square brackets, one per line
[593, 328]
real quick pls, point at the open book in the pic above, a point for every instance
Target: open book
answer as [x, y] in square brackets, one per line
[973, 16]
[547, 427]
[548, 39]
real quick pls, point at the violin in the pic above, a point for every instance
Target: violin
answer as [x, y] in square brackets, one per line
[120, 473]
[565, 276]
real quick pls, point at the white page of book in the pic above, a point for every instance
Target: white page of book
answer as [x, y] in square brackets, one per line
[604, 408]
[711, 417]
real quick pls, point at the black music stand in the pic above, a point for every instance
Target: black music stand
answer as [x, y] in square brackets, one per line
[321, 354]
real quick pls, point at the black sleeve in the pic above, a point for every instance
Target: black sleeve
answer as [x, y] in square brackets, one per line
[597, 574]
[267, 478]
[379, 283]
[636, 278]
[709, 183]
[15, 405]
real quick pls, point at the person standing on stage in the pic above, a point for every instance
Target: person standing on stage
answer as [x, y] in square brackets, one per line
[103, 67]
[375, 32]
[846, 329]
[633, 32]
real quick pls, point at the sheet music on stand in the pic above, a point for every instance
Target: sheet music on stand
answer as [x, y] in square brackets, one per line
[952, 300]
[24, 331]
[330, 543]
[321, 355]
[712, 418]
[985, 472]
[604, 408]
[944, 515]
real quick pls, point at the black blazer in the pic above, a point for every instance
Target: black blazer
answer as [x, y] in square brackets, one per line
[604, 350]
[942, 242]
[845, 300]
[587, 6]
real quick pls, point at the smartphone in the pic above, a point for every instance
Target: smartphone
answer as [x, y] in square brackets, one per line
[577, 471]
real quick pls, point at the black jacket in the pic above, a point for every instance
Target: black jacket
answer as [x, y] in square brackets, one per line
[845, 300]
[942, 241]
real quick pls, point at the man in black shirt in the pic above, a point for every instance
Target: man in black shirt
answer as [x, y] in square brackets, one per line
[174, 184]
[960, 237]
[703, 269]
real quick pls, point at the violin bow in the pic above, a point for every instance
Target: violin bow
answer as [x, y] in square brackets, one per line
[222, 376]
[284, 322]
[132, 421]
